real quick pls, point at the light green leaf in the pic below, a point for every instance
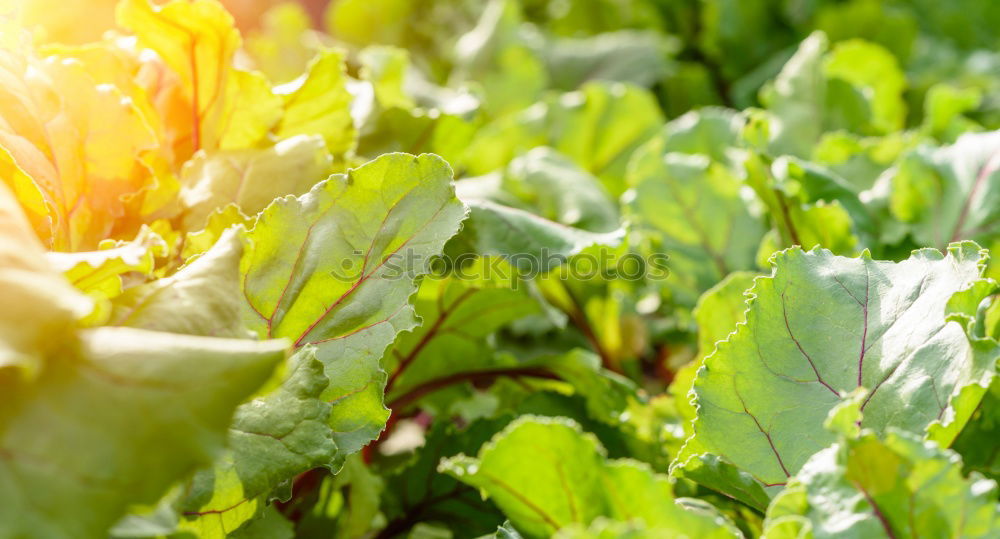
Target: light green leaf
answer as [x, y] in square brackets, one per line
[944, 109]
[284, 43]
[533, 244]
[856, 87]
[720, 309]
[598, 127]
[546, 474]
[254, 109]
[220, 220]
[716, 315]
[949, 193]
[810, 207]
[875, 70]
[896, 487]
[250, 178]
[559, 190]
[47, 304]
[203, 298]
[693, 202]
[637, 57]
[895, 329]
[386, 68]
[99, 273]
[318, 103]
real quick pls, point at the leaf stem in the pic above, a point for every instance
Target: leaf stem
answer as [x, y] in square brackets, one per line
[420, 390]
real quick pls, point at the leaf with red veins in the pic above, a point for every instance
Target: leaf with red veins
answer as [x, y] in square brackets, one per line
[823, 325]
[335, 267]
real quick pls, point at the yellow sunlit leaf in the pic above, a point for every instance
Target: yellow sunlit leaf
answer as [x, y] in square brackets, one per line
[82, 145]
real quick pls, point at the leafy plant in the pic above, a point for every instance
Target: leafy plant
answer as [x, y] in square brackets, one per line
[509, 269]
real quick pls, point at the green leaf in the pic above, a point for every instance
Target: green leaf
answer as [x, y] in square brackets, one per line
[598, 127]
[458, 312]
[874, 69]
[896, 329]
[284, 44]
[250, 178]
[531, 243]
[47, 304]
[977, 443]
[559, 190]
[810, 207]
[318, 103]
[949, 193]
[99, 273]
[545, 474]
[220, 220]
[856, 87]
[386, 69]
[157, 406]
[203, 298]
[499, 60]
[896, 487]
[272, 439]
[720, 475]
[692, 202]
[636, 57]
[716, 314]
[335, 268]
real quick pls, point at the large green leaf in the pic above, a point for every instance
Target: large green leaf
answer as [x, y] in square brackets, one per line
[896, 487]
[545, 474]
[823, 325]
[114, 419]
[335, 268]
